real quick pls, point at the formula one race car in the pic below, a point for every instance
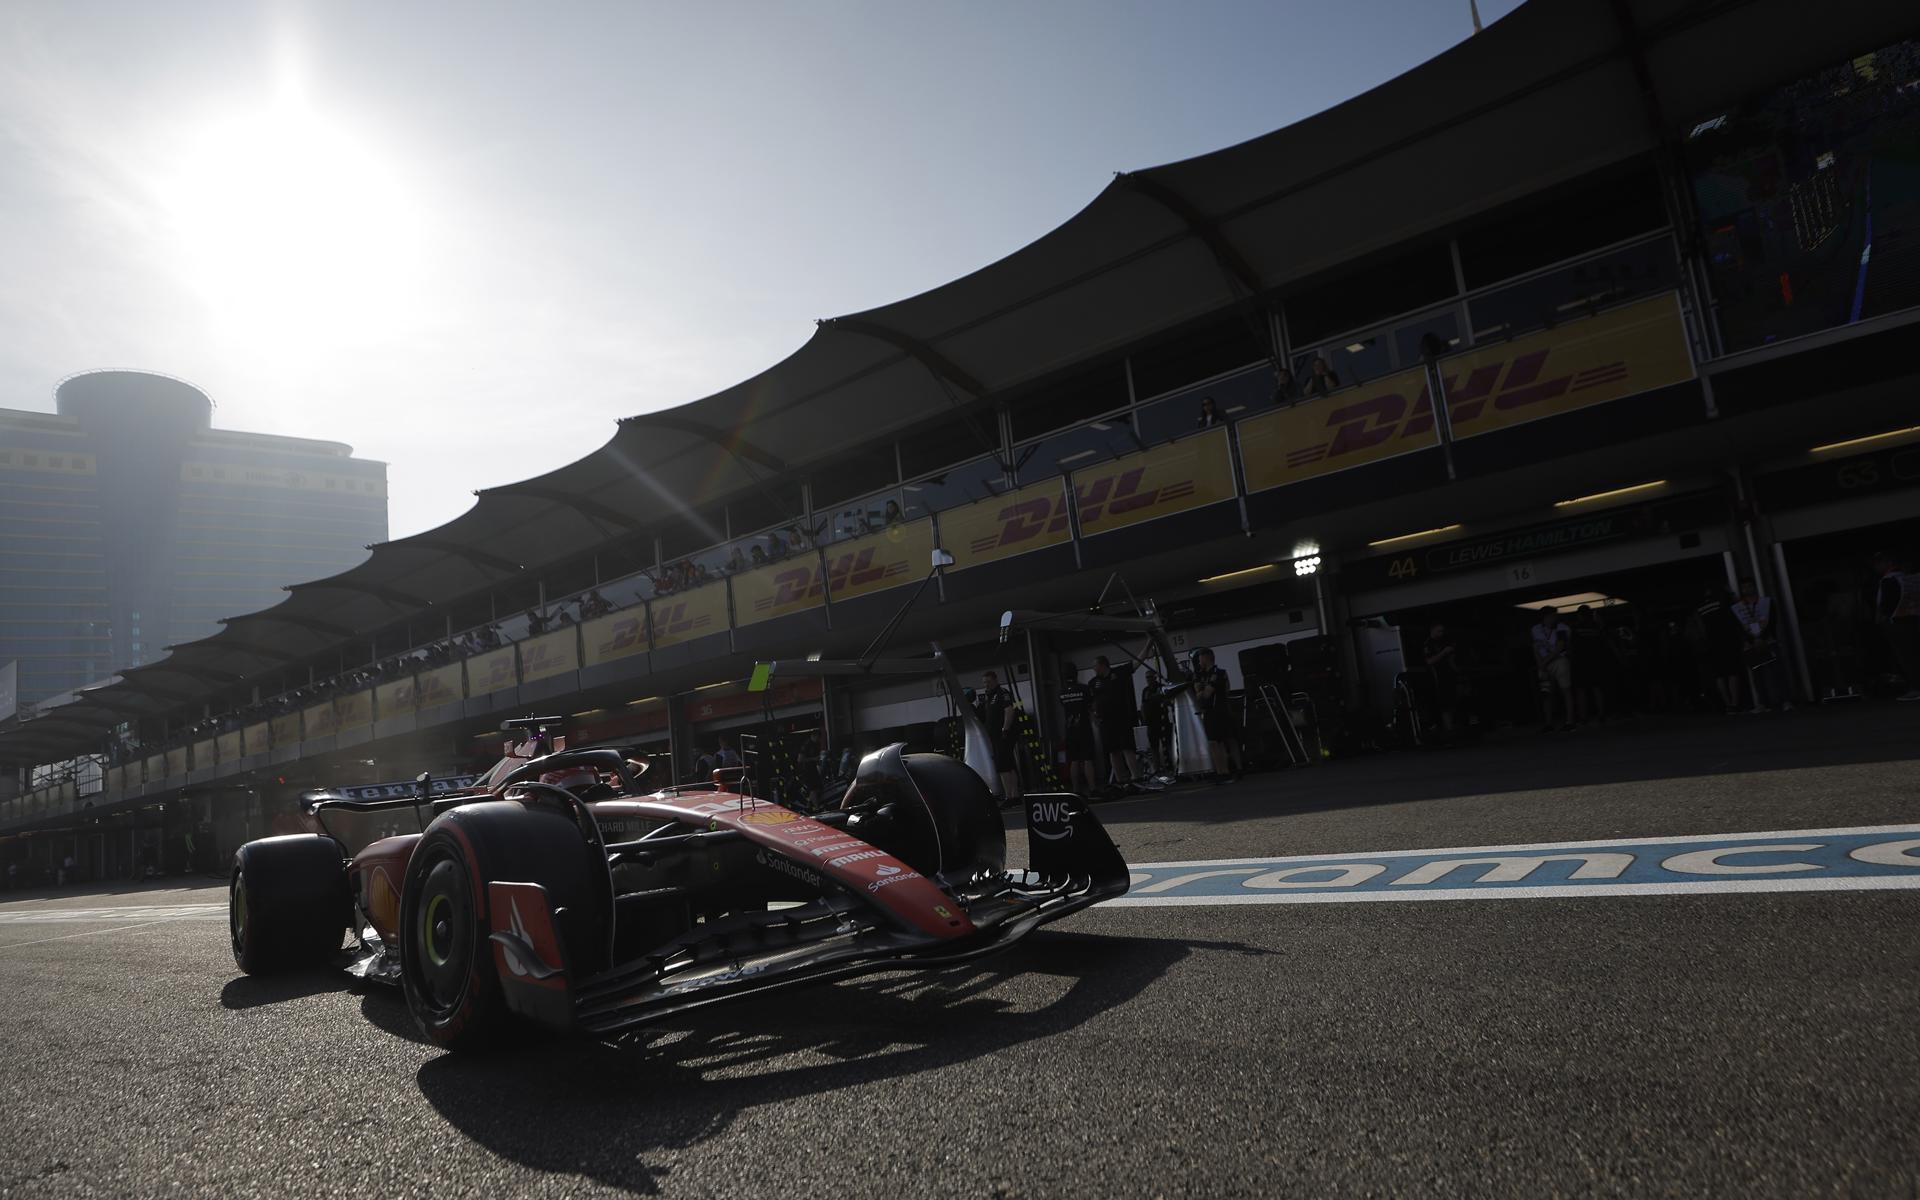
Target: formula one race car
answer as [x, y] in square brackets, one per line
[560, 891]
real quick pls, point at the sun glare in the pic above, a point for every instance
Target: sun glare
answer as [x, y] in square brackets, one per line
[295, 232]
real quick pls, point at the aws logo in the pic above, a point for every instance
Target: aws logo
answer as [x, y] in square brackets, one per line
[1109, 495]
[1498, 387]
[849, 571]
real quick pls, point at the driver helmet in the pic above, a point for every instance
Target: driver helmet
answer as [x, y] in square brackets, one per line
[571, 778]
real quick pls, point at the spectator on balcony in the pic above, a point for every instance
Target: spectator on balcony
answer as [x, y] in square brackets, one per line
[736, 562]
[1322, 381]
[1286, 390]
[593, 604]
[758, 556]
[1209, 413]
[893, 515]
[536, 622]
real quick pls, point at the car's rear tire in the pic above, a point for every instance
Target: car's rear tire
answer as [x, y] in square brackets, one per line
[446, 951]
[288, 905]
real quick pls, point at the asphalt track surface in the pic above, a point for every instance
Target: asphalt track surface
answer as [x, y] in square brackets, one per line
[1746, 1044]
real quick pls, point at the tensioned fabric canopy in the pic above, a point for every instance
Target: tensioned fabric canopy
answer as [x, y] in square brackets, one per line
[1553, 91]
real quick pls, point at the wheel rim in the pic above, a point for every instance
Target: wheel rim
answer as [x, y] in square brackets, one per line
[237, 910]
[440, 938]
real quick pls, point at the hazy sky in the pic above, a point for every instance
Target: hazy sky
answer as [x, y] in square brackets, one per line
[467, 237]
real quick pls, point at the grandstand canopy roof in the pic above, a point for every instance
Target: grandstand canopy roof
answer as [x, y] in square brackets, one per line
[1551, 92]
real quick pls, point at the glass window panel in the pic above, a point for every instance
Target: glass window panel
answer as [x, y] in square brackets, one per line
[1234, 397]
[1407, 338]
[1574, 291]
[977, 480]
[1076, 448]
[868, 515]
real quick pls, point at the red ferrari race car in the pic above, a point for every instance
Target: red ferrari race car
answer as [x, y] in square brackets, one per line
[561, 891]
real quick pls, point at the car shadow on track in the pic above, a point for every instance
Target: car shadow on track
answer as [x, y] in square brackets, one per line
[252, 991]
[603, 1109]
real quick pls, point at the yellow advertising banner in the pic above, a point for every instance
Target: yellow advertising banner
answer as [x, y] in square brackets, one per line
[786, 587]
[319, 720]
[393, 698]
[1191, 473]
[353, 711]
[203, 755]
[1031, 518]
[491, 672]
[550, 654]
[439, 686]
[615, 636]
[899, 555]
[286, 729]
[255, 739]
[684, 616]
[227, 746]
[176, 762]
[156, 768]
[1635, 348]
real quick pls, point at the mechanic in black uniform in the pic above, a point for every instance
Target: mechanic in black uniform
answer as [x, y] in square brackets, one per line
[1112, 698]
[994, 705]
[1210, 691]
[1158, 716]
[1074, 707]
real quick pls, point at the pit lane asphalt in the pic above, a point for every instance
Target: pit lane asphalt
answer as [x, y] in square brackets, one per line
[1736, 1044]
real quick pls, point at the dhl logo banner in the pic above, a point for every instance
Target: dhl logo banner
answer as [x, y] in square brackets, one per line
[392, 699]
[227, 746]
[283, 478]
[550, 654]
[203, 755]
[439, 686]
[255, 739]
[1632, 349]
[900, 555]
[351, 712]
[22, 458]
[491, 672]
[177, 762]
[1190, 473]
[789, 586]
[1016, 523]
[157, 767]
[319, 721]
[684, 616]
[615, 636]
[286, 729]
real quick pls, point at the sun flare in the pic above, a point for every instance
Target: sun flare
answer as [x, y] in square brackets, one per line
[294, 231]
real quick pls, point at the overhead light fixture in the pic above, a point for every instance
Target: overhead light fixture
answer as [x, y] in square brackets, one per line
[1356, 347]
[1076, 457]
[1625, 491]
[589, 712]
[1237, 574]
[1102, 426]
[710, 686]
[1575, 600]
[1861, 441]
[1303, 567]
[642, 700]
[1407, 537]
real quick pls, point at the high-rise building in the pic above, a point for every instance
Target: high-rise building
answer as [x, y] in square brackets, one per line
[128, 524]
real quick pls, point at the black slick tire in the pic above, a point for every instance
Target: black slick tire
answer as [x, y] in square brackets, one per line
[288, 906]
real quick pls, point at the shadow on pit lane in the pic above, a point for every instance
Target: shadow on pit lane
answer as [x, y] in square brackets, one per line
[250, 991]
[1636, 749]
[602, 1110]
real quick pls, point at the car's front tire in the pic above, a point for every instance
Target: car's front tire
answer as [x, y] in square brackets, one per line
[446, 922]
[288, 905]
